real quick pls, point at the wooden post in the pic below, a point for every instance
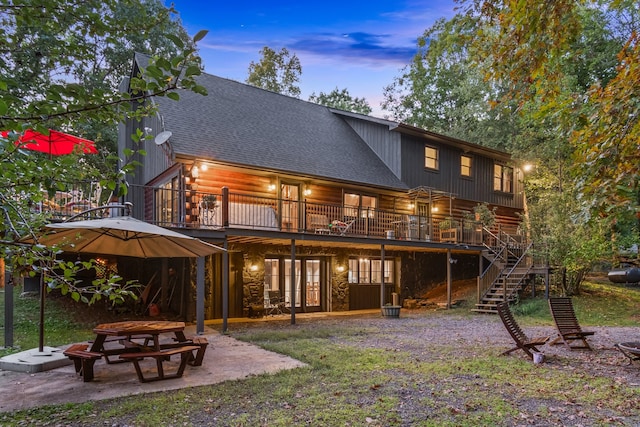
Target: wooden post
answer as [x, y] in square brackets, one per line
[8, 306]
[382, 278]
[449, 260]
[200, 295]
[293, 282]
[225, 207]
[225, 287]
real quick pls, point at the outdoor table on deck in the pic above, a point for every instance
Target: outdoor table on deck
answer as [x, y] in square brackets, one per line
[148, 330]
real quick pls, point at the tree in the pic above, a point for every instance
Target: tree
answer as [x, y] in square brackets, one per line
[51, 56]
[277, 71]
[580, 91]
[441, 91]
[591, 92]
[524, 77]
[342, 100]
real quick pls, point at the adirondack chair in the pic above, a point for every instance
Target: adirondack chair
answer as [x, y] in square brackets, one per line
[522, 341]
[569, 329]
[630, 349]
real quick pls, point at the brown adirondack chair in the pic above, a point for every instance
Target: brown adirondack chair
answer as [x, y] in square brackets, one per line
[569, 329]
[630, 349]
[523, 342]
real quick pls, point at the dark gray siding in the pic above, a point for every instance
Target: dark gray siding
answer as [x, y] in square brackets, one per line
[386, 145]
[478, 188]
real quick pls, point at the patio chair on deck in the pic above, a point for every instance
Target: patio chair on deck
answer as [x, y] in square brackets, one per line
[522, 341]
[340, 227]
[569, 329]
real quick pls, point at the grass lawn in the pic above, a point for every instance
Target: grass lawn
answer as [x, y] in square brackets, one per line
[373, 372]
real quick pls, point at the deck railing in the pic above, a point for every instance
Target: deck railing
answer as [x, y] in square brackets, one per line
[216, 211]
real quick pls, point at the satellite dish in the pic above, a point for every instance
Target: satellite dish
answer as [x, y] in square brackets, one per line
[162, 137]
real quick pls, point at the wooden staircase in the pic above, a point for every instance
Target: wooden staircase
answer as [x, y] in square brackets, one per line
[508, 273]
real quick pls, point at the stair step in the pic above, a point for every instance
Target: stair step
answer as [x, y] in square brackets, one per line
[479, 310]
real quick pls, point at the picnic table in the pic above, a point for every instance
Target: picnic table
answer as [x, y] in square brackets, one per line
[129, 333]
[134, 341]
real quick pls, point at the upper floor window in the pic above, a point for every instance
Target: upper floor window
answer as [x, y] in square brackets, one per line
[359, 205]
[503, 178]
[465, 165]
[430, 157]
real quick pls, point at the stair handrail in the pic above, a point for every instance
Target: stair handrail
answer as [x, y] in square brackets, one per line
[515, 265]
[489, 275]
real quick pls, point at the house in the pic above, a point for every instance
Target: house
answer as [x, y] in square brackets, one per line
[317, 205]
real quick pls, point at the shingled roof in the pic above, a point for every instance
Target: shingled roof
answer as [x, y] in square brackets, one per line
[243, 125]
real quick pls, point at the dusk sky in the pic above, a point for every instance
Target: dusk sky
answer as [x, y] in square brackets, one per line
[358, 45]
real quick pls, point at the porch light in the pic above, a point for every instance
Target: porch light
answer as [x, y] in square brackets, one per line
[307, 192]
[411, 206]
[527, 167]
[271, 187]
[340, 268]
[434, 209]
[195, 172]
[204, 167]
[254, 267]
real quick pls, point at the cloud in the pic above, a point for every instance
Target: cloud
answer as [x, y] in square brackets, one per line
[363, 46]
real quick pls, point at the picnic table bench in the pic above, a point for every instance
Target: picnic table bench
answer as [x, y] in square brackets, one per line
[185, 352]
[83, 360]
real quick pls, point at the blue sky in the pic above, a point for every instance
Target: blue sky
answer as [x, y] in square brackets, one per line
[354, 44]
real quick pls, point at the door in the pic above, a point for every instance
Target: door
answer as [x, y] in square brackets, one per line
[312, 285]
[424, 223]
[287, 283]
[290, 207]
[308, 284]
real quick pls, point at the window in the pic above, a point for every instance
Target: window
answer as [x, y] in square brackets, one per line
[465, 165]
[271, 275]
[166, 202]
[503, 178]
[430, 157]
[354, 203]
[365, 270]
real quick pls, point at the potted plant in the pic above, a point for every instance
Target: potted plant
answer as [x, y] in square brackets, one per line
[484, 215]
[209, 201]
[449, 229]
[389, 310]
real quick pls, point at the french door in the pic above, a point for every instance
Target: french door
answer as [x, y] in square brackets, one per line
[290, 206]
[308, 284]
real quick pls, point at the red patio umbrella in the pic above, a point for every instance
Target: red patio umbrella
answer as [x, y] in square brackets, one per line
[55, 144]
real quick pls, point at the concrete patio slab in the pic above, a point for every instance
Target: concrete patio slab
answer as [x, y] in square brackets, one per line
[225, 359]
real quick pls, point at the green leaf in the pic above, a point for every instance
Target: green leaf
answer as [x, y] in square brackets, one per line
[192, 70]
[200, 35]
[173, 95]
[176, 40]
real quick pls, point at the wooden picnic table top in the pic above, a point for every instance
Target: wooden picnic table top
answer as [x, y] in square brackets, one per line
[134, 327]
